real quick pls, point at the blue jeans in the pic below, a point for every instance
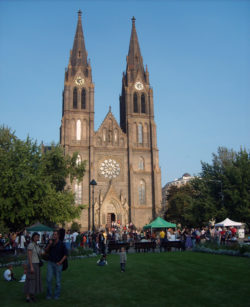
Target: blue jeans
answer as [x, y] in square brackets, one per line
[123, 267]
[53, 270]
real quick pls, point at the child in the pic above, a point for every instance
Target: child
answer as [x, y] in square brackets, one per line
[23, 278]
[8, 274]
[123, 259]
[103, 261]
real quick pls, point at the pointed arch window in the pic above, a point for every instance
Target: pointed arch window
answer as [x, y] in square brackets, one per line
[141, 163]
[78, 193]
[142, 192]
[78, 160]
[83, 99]
[143, 103]
[78, 130]
[140, 133]
[75, 98]
[135, 103]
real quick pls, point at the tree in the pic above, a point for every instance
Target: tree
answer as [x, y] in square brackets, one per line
[32, 184]
[179, 204]
[228, 181]
[222, 190]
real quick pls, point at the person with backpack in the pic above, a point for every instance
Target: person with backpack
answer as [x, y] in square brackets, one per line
[57, 254]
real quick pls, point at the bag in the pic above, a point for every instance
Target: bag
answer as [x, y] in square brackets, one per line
[65, 264]
[45, 256]
[40, 261]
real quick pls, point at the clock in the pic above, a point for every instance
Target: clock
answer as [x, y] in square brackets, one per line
[79, 81]
[139, 86]
[109, 168]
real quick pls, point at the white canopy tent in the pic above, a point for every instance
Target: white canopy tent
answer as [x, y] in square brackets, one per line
[227, 223]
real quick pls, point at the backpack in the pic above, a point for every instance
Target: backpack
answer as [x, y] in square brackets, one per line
[65, 264]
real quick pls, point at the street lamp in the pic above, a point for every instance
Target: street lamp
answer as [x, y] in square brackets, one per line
[93, 183]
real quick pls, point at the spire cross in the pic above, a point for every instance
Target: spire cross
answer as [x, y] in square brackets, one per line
[133, 20]
[79, 13]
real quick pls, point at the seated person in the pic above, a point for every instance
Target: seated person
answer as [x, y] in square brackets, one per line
[103, 261]
[23, 278]
[8, 274]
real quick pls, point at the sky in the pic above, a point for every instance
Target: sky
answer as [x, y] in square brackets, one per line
[198, 57]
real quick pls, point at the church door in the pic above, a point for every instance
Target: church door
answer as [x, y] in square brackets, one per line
[110, 218]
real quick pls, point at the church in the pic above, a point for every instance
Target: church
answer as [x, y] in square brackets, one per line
[123, 159]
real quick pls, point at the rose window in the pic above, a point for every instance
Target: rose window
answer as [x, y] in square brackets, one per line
[110, 169]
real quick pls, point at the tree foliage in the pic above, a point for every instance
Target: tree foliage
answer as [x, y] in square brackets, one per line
[32, 183]
[222, 190]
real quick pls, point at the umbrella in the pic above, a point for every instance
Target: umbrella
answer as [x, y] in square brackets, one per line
[39, 227]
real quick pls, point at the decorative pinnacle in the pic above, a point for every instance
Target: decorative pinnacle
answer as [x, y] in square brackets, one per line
[133, 20]
[79, 13]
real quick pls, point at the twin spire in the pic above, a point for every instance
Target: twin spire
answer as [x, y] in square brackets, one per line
[134, 58]
[79, 56]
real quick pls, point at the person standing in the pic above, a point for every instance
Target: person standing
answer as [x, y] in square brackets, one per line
[57, 252]
[33, 282]
[20, 241]
[123, 259]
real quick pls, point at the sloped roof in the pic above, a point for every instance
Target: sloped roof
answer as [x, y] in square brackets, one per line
[160, 223]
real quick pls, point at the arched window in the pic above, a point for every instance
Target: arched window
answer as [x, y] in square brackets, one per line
[142, 192]
[140, 133]
[78, 193]
[104, 135]
[75, 98]
[78, 130]
[135, 103]
[83, 99]
[115, 135]
[141, 163]
[78, 160]
[84, 129]
[143, 104]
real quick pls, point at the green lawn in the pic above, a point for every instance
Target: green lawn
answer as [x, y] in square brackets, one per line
[166, 279]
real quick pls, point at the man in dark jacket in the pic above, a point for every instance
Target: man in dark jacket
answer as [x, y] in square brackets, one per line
[57, 254]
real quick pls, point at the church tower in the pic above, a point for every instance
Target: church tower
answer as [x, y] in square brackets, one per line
[77, 125]
[137, 121]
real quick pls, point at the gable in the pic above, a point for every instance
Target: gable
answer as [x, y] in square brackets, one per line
[110, 133]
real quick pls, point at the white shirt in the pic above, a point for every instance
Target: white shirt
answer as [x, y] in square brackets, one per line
[68, 238]
[7, 275]
[74, 235]
[22, 241]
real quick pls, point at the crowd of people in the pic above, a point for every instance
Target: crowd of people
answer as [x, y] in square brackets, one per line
[18, 242]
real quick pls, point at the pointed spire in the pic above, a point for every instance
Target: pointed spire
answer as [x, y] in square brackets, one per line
[79, 55]
[134, 58]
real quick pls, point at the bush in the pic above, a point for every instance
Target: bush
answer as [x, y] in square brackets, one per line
[75, 227]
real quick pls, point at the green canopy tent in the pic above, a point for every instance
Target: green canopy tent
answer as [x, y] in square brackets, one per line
[159, 223]
[39, 227]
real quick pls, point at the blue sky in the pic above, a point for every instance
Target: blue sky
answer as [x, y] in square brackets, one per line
[197, 52]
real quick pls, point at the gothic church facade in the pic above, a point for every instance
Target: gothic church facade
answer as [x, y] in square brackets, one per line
[123, 159]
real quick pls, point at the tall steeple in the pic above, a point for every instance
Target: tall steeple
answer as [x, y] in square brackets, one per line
[134, 58]
[79, 55]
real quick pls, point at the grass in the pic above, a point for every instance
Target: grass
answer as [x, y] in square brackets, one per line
[165, 279]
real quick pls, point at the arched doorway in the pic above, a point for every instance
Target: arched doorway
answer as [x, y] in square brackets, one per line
[111, 218]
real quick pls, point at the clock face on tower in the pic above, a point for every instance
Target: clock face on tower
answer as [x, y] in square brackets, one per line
[79, 81]
[139, 86]
[110, 168]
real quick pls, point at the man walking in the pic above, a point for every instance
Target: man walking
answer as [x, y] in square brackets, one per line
[57, 254]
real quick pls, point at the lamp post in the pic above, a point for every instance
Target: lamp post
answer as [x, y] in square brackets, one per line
[93, 183]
